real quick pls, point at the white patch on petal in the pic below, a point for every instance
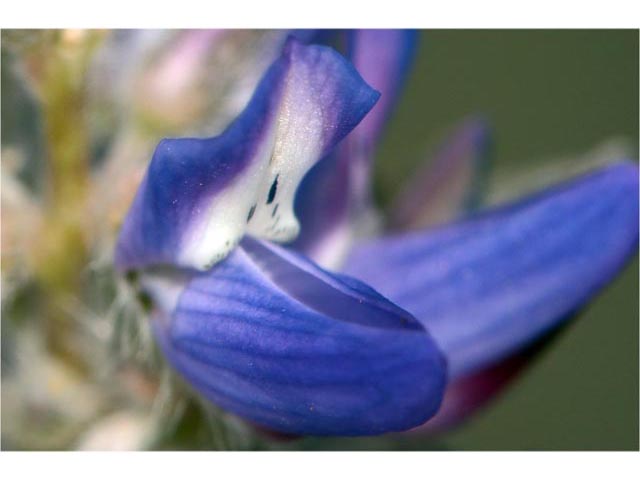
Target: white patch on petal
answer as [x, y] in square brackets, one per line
[226, 221]
[297, 147]
[261, 200]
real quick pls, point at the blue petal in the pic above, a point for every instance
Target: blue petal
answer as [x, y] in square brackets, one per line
[271, 337]
[449, 184]
[491, 285]
[383, 58]
[335, 194]
[200, 195]
[324, 206]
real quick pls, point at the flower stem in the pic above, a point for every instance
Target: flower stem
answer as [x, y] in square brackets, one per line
[59, 72]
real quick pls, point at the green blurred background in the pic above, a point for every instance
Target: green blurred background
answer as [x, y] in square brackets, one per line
[548, 93]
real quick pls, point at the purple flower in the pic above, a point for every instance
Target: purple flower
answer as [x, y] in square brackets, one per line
[374, 339]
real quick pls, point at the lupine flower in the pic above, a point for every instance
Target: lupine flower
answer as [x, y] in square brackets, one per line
[333, 334]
